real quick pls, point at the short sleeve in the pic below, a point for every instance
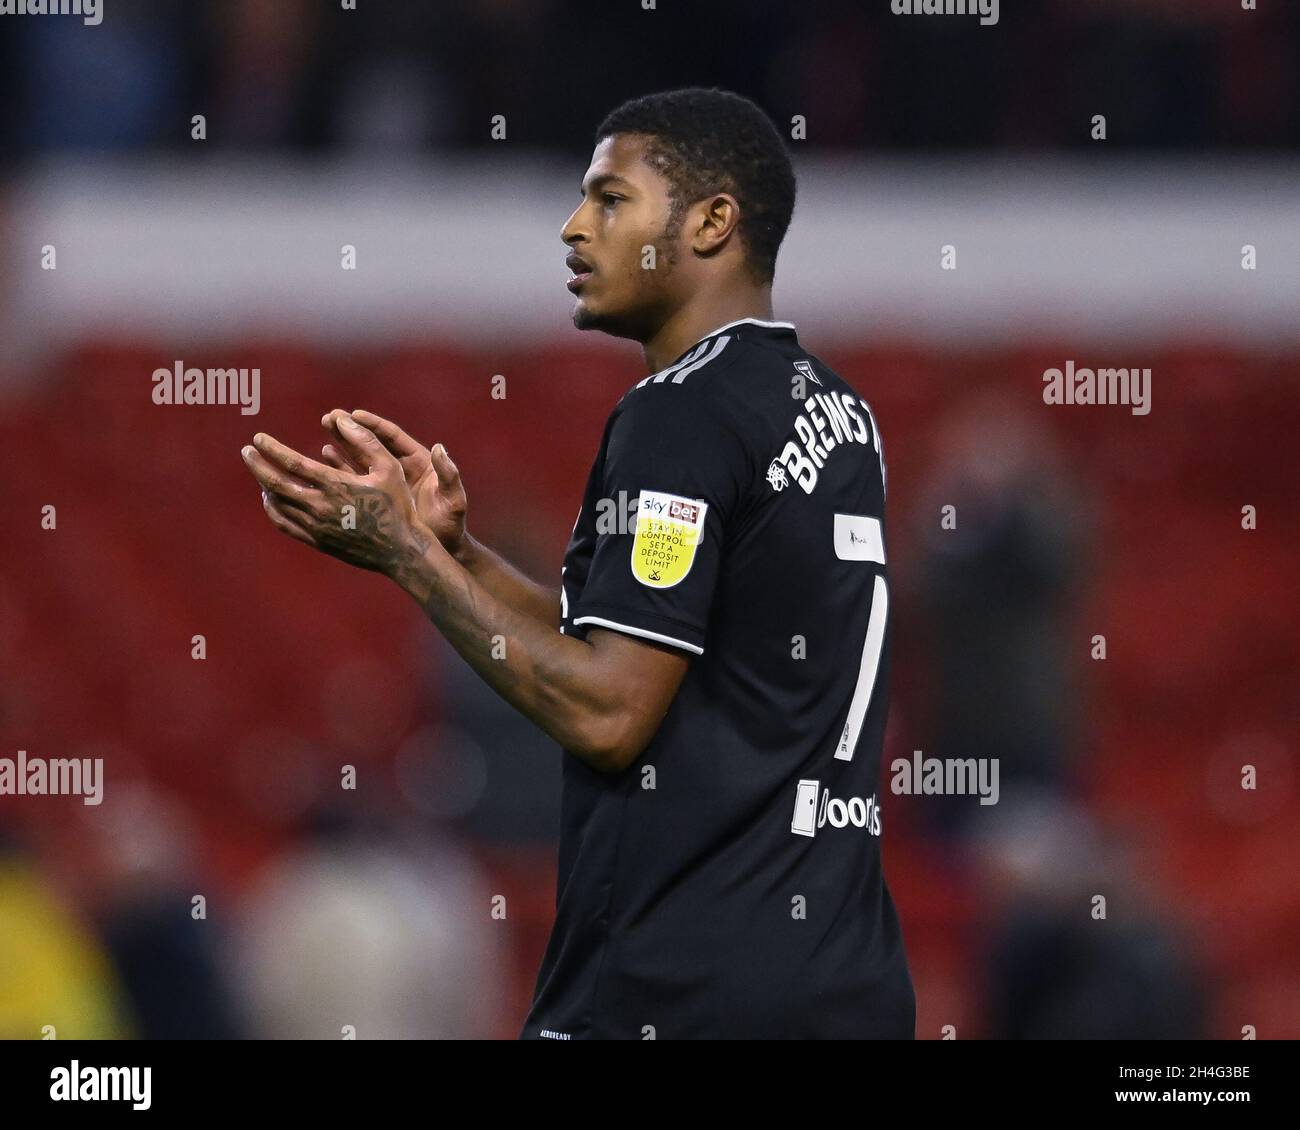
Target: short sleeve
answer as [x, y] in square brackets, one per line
[674, 479]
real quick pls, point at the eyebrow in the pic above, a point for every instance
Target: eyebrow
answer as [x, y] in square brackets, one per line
[597, 183]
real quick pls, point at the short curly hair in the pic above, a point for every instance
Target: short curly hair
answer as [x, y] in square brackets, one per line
[709, 140]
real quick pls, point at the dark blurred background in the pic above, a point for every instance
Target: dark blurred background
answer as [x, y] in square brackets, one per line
[228, 886]
[308, 76]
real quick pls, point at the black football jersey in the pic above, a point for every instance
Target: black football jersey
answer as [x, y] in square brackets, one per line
[728, 884]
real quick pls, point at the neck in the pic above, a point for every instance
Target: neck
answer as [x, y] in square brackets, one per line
[696, 320]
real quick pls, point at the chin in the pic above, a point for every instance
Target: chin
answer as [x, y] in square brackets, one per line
[585, 318]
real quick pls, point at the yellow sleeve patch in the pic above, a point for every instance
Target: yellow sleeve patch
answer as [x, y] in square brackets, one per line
[669, 529]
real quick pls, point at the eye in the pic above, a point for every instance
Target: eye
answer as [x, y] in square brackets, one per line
[609, 197]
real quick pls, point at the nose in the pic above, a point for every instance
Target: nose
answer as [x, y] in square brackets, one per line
[573, 231]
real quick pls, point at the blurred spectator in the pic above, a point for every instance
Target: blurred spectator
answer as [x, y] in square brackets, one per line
[1055, 970]
[302, 75]
[169, 968]
[994, 588]
[497, 774]
[356, 932]
[56, 980]
[118, 85]
[139, 877]
[264, 50]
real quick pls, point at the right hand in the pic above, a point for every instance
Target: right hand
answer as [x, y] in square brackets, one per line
[431, 476]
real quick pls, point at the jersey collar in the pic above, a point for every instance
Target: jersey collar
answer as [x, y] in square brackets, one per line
[747, 322]
[714, 333]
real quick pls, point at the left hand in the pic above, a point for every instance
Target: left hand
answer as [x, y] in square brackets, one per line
[368, 520]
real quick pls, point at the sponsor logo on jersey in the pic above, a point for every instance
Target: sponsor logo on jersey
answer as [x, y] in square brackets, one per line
[805, 367]
[859, 537]
[809, 815]
[669, 529]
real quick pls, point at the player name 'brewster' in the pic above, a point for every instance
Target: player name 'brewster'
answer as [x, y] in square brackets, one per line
[834, 409]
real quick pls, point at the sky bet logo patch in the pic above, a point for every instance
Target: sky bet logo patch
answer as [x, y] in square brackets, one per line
[668, 530]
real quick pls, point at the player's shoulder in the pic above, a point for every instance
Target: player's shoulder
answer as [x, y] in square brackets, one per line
[738, 358]
[688, 378]
[741, 394]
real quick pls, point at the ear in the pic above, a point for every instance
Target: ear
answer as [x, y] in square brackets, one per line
[719, 217]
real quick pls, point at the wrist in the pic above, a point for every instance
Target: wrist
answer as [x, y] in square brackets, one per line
[466, 551]
[414, 568]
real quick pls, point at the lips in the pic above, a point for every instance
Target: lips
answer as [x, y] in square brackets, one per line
[582, 271]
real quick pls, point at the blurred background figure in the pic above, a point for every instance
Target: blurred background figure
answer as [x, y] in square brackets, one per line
[1118, 972]
[56, 978]
[355, 933]
[998, 583]
[166, 951]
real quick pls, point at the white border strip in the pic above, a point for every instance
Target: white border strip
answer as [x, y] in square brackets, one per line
[638, 632]
[1109, 250]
